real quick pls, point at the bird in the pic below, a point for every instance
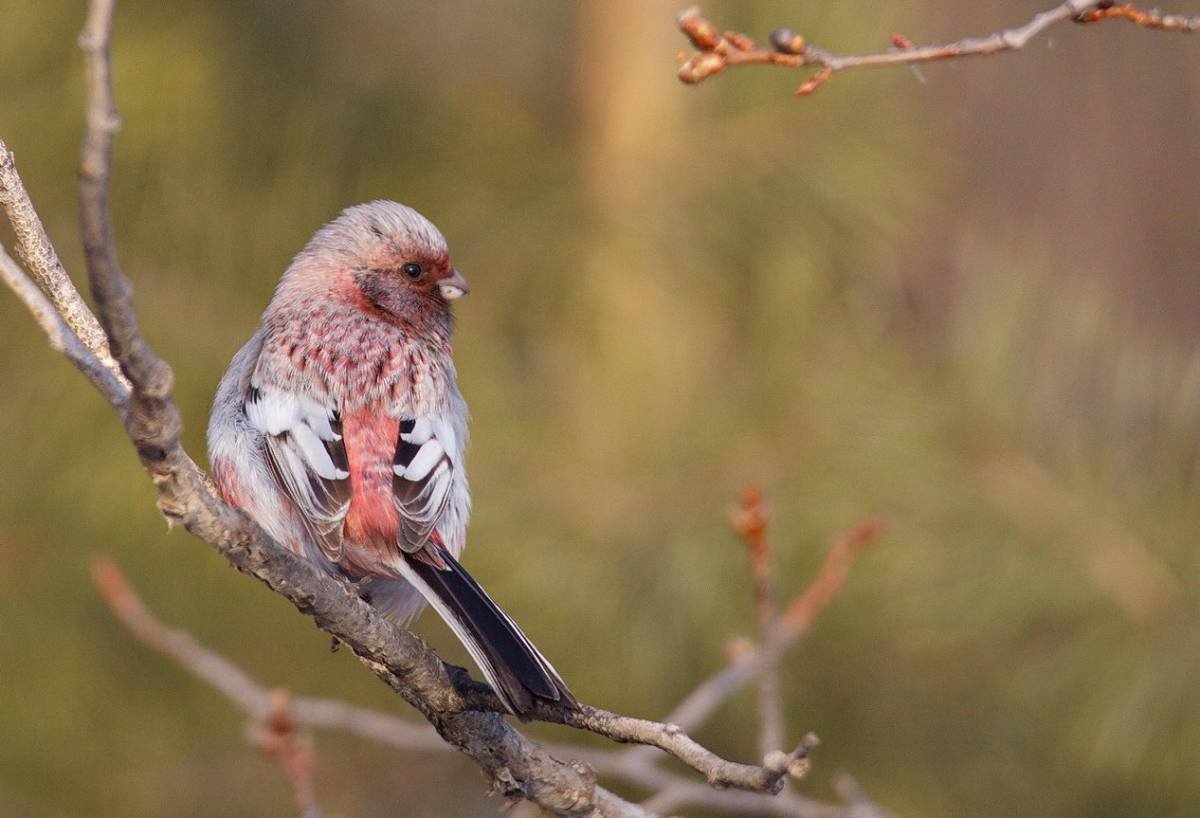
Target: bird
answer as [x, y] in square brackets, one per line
[340, 429]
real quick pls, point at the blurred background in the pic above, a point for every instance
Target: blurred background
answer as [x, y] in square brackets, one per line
[968, 306]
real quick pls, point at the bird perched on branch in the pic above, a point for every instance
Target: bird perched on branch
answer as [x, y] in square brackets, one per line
[340, 429]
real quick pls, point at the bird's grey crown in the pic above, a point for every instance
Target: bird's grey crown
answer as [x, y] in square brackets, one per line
[365, 225]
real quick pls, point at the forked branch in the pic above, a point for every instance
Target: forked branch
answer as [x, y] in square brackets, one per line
[265, 707]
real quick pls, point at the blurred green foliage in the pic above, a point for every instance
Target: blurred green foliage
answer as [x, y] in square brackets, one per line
[967, 307]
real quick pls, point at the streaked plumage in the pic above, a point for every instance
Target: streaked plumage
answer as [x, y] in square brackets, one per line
[340, 429]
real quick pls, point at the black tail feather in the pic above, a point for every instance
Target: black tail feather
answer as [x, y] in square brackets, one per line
[516, 669]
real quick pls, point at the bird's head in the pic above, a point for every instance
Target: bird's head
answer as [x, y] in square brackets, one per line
[386, 256]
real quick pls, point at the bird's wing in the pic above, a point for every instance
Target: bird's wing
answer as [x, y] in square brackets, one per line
[307, 457]
[422, 480]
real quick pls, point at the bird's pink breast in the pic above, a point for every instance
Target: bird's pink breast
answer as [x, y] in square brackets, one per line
[370, 436]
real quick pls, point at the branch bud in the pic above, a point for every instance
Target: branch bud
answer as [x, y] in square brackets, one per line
[703, 34]
[798, 768]
[786, 41]
[701, 67]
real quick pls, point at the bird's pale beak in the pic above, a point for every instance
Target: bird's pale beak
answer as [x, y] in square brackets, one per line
[453, 286]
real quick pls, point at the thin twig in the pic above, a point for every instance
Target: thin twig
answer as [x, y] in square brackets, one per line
[1148, 18]
[62, 338]
[750, 520]
[35, 249]
[717, 51]
[278, 736]
[667, 736]
[272, 713]
[153, 419]
[794, 623]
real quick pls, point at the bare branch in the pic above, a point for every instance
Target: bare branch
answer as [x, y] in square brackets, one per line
[255, 700]
[62, 338]
[222, 674]
[278, 736]
[717, 51]
[153, 421]
[795, 622]
[151, 377]
[35, 249]
[750, 520]
[803, 610]
[273, 714]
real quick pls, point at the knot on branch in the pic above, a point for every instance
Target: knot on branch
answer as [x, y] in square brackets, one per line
[153, 425]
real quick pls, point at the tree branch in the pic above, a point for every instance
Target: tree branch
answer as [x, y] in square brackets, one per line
[719, 51]
[62, 338]
[794, 623]
[750, 520]
[34, 247]
[151, 376]
[254, 699]
[278, 737]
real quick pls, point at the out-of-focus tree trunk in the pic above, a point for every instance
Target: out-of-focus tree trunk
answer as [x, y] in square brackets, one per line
[646, 338]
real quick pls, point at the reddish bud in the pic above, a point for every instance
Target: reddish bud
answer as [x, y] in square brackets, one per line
[703, 34]
[814, 82]
[701, 67]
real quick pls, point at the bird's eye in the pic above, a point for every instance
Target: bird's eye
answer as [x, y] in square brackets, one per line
[413, 270]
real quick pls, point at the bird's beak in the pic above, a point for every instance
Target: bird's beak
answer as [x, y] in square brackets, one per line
[453, 286]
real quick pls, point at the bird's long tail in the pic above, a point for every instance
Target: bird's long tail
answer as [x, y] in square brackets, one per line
[515, 669]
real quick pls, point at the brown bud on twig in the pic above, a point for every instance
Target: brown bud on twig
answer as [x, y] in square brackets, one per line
[703, 34]
[814, 82]
[701, 67]
[786, 41]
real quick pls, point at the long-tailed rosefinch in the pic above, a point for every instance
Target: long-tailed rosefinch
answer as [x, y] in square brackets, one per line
[339, 428]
